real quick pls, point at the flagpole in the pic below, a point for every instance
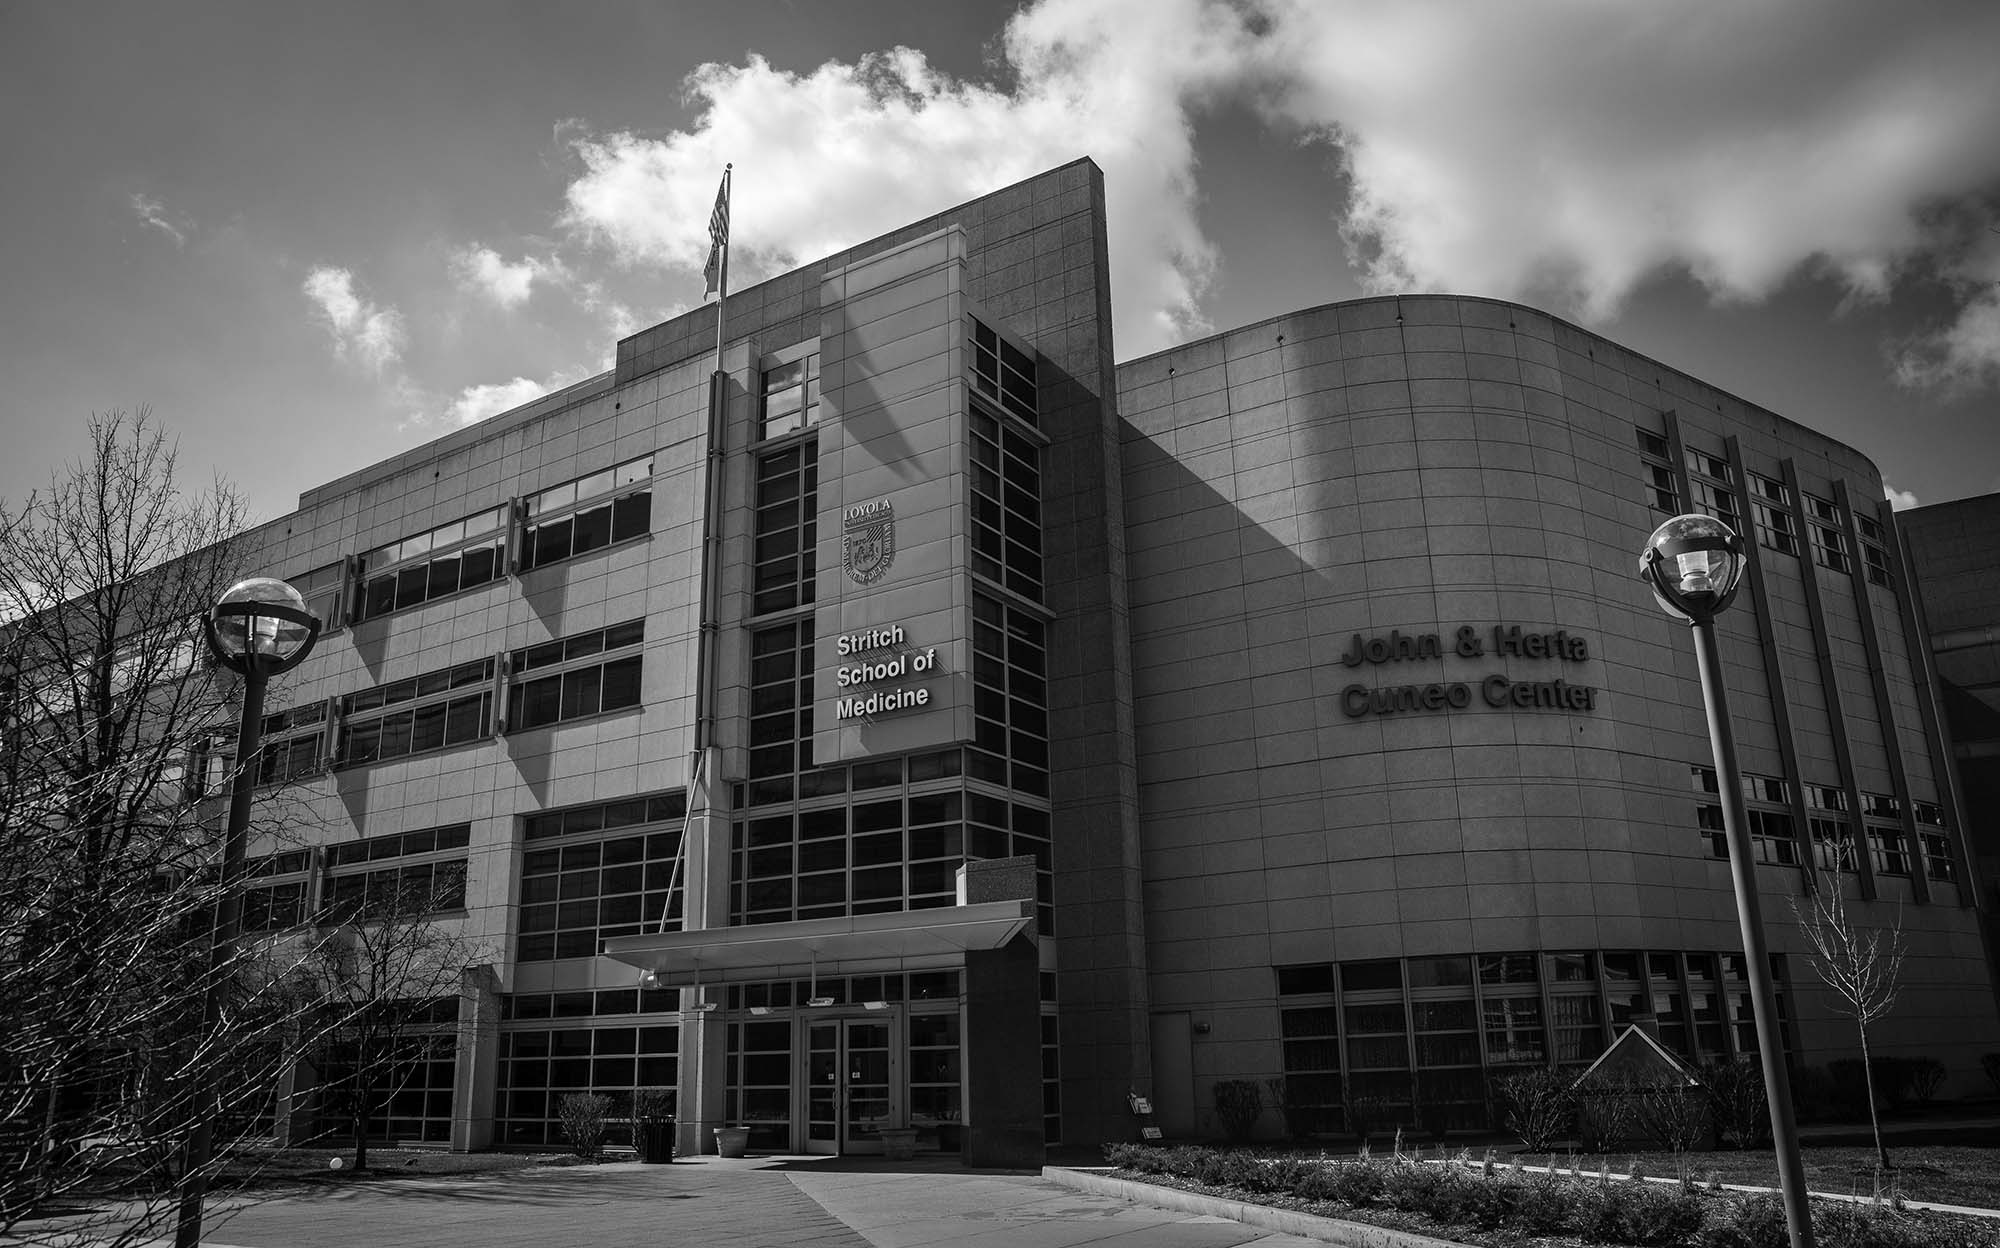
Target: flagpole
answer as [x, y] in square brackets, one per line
[722, 287]
[706, 1045]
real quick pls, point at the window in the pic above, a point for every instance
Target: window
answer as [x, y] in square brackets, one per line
[1874, 551]
[1002, 373]
[585, 674]
[409, 873]
[1656, 470]
[1767, 801]
[421, 1072]
[587, 514]
[275, 898]
[1009, 697]
[1771, 504]
[1006, 506]
[1709, 480]
[321, 590]
[781, 697]
[791, 397]
[1829, 542]
[1888, 848]
[606, 816]
[1935, 843]
[539, 1065]
[293, 744]
[603, 877]
[1832, 830]
[1575, 1018]
[783, 562]
[458, 556]
[1736, 987]
[447, 707]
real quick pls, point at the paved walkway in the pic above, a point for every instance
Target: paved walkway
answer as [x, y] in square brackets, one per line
[764, 1202]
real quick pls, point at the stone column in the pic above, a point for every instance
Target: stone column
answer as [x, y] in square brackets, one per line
[1003, 1027]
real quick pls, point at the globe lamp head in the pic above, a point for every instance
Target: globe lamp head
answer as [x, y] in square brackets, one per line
[1693, 564]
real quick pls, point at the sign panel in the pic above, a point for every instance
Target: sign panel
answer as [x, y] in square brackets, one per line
[892, 661]
[1493, 689]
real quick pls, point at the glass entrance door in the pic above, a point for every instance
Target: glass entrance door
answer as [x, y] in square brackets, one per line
[850, 1085]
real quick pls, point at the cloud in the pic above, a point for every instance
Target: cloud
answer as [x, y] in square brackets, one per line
[1900, 500]
[1574, 150]
[477, 403]
[1559, 151]
[361, 330]
[851, 150]
[1964, 353]
[152, 213]
[484, 271]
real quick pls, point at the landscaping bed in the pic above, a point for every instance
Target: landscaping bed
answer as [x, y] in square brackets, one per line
[1505, 1206]
[1949, 1175]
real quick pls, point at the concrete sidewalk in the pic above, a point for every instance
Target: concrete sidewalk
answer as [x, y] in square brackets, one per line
[759, 1202]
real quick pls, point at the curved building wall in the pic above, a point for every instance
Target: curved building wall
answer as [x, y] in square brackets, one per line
[1349, 820]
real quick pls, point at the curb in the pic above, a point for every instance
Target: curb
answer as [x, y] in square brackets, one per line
[1285, 1221]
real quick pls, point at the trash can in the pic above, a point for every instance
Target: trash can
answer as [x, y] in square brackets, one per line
[655, 1141]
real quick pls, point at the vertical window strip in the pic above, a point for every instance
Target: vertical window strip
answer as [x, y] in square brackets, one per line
[1656, 471]
[790, 397]
[1772, 505]
[783, 563]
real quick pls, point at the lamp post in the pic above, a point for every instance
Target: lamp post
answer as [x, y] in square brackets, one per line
[1694, 565]
[259, 628]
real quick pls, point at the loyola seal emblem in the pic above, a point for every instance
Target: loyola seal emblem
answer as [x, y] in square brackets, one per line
[868, 546]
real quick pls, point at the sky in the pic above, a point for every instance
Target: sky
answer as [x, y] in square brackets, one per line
[309, 237]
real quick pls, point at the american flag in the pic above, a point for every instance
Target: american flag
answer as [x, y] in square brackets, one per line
[718, 236]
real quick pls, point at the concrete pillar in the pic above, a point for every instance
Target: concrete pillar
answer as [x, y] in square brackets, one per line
[1003, 1028]
[476, 1070]
[704, 1039]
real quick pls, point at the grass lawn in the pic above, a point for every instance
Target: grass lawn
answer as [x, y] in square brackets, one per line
[1949, 1174]
[265, 1167]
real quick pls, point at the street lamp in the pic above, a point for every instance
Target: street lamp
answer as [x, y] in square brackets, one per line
[259, 628]
[1694, 564]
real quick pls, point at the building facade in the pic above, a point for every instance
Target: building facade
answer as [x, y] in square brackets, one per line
[901, 718]
[1954, 551]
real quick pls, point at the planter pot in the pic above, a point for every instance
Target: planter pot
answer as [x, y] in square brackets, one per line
[900, 1143]
[731, 1141]
[655, 1141]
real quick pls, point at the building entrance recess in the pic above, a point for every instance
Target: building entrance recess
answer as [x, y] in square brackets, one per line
[852, 1085]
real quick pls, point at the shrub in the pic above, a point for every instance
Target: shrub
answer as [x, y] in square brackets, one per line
[1604, 1119]
[582, 1115]
[1303, 1113]
[1926, 1074]
[1356, 1182]
[1238, 1103]
[652, 1104]
[1736, 1098]
[1544, 1203]
[1812, 1093]
[1677, 1117]
[1415, 1187]
[1755, 1223]
[1365, 1115]
[1655, 1215]
[1537, 1106]
[1488, 1202]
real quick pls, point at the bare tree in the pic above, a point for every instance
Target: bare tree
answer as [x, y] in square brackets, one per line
[108, 879]
[1862, 966]
[388, 986]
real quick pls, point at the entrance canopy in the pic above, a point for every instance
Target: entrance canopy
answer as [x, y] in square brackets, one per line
[862, 944]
